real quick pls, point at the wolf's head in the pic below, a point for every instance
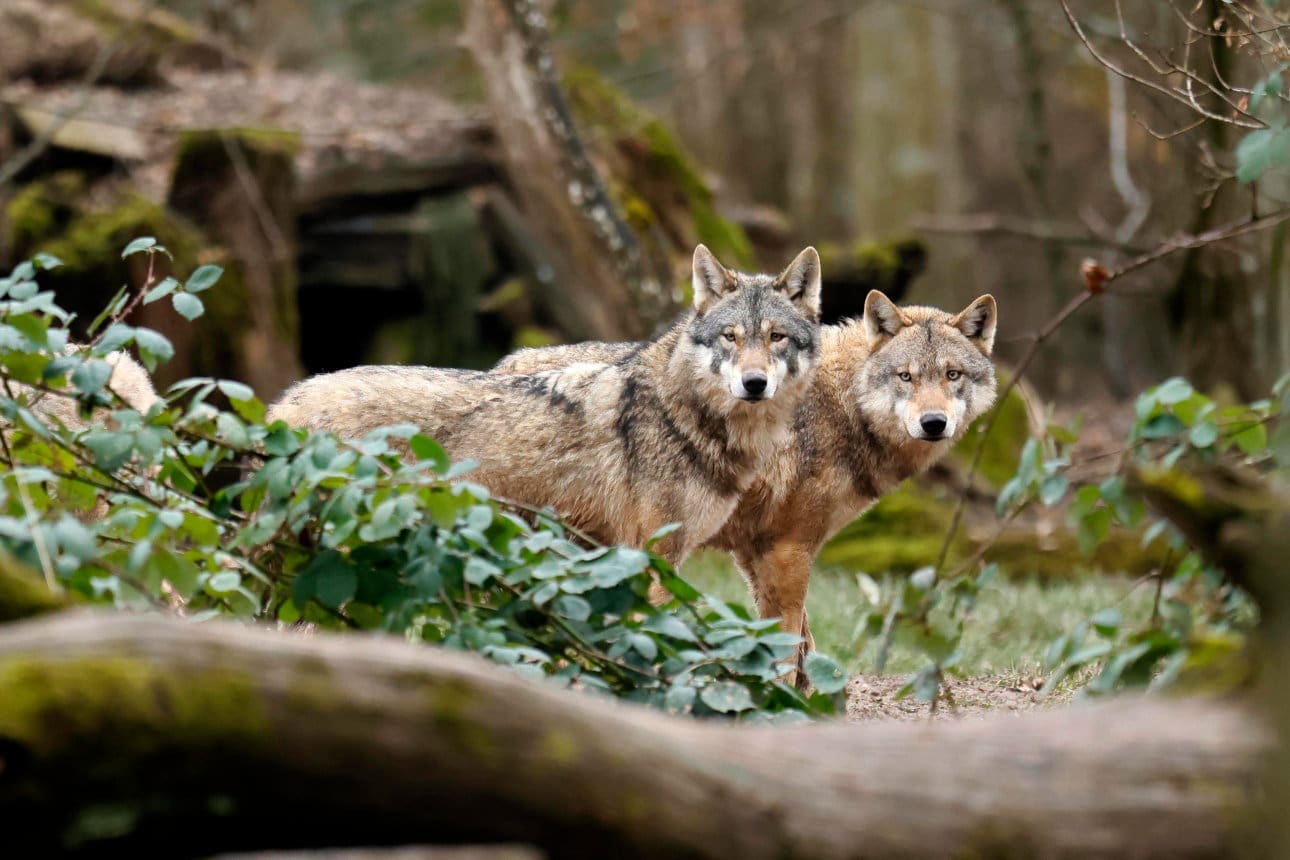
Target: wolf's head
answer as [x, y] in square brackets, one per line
[758, 334]
[929, 372]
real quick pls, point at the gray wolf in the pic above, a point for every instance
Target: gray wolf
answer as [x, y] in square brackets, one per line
[893, 393]
[129, 381]
[674, 430]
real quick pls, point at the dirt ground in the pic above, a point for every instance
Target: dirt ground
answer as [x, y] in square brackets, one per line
[873, 697]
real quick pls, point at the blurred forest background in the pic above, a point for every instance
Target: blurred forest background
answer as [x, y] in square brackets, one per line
[937, 149]
[435, 182]
[440, 182]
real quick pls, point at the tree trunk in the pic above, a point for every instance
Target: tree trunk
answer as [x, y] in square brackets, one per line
[595, 283]
[207, 737]
[239, 186]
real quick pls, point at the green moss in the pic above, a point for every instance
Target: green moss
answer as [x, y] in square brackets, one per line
[902, 532]
[1020, 552]
[60, 216]
[23, 593]
[122, 705]
[1003, 447]
[879, 260]
[208, 149]
[452, 707]
[560, 748]
[670, 170]
[905, 529]
[159, 32]
[532, 336]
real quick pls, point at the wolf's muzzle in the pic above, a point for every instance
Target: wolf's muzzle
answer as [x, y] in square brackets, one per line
[933, 424]
[754, 383]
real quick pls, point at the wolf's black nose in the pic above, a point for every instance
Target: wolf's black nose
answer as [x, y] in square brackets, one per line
[933, 423]
[755, 382]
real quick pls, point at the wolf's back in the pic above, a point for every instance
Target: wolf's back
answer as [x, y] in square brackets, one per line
[353, 402]
[539, 358]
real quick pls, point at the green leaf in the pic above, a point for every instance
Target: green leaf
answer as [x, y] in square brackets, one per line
[153, 347]
[203, 278]
[1174, 390]
[1262, 150]
[644, 646]
[1053, 489]
[923, 578]
[726, 697]
[91, 376]
[670, 626]
[114, 337]
[1107, 622]
[111, 449]
[1161, 427]
[251, 409]
[336, 583]
[1253, 439]
[161, 290]
[663, 532]
[138, 246]
[679, 588]
[224, 582]
[430, 451]
[1203, 434]
[679, 698]
[572, 607]
[826, 675]
[1279, 444]
[235, 390]
[188, 306]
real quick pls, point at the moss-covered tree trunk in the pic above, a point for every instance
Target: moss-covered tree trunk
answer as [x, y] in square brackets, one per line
[239, 186]
[596, 283]
[212, 737]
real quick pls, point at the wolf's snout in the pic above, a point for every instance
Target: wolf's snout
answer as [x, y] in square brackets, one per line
[933, 424]
[755, 382]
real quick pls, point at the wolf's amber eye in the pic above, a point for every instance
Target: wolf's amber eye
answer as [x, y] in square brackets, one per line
[777, 336]
[729, 335]
[952, 374]
[905, 377]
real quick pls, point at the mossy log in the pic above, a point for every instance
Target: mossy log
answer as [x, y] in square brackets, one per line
[193, 738]
[239, 186]
[1240, 520]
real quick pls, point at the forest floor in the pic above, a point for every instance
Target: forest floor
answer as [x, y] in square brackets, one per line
[1004, 638]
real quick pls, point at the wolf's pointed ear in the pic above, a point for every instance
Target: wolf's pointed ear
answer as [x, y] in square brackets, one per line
[801, 282]
[977, 321]
[710, 280]
[881, 316]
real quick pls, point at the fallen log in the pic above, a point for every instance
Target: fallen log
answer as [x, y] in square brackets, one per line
[218, 737]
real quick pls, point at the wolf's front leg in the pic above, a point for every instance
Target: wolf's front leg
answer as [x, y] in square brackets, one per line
[778, 578]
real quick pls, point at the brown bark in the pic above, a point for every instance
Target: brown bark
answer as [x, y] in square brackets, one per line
[328, 740]
[595, 285]
[239, 187]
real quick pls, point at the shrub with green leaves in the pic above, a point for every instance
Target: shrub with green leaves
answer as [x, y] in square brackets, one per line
[1199, 619]
[212, 513]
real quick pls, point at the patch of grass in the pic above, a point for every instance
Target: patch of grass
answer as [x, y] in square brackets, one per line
[1006, 635]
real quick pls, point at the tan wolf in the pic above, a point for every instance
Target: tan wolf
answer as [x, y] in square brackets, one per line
[892, 395]
[674, 431]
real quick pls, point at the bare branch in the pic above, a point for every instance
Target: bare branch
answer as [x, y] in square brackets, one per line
[1245, 120]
